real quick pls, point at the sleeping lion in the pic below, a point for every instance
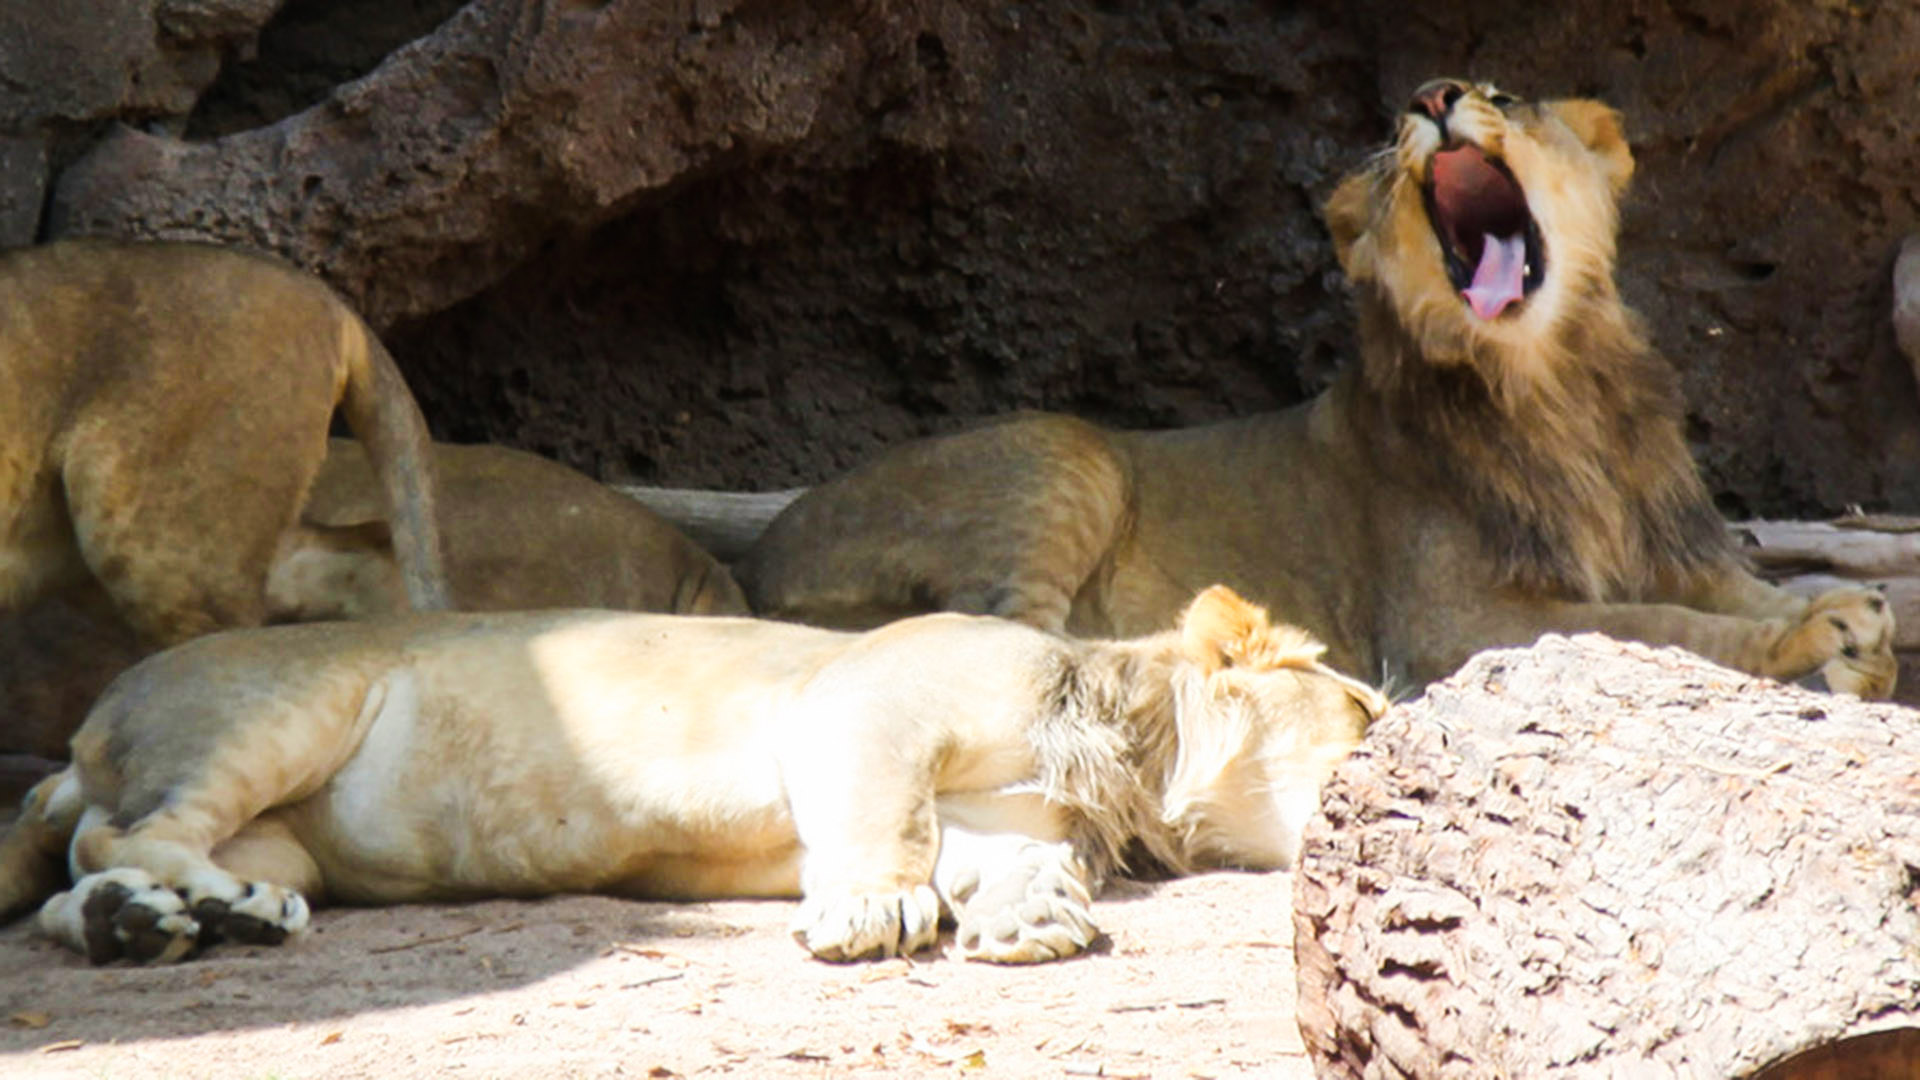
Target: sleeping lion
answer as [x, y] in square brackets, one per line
[948, 764]
[1506, 459]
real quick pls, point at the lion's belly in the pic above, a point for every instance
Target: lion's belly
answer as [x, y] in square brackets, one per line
[478, 780]
[381, 835]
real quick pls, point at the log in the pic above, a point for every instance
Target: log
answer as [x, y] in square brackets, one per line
[1590, 858]
[1859, 547]
[726, 523]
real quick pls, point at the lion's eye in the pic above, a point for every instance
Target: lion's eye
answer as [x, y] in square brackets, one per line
[1501, 100]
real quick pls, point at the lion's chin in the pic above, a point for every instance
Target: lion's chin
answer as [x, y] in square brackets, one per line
[1488, 238]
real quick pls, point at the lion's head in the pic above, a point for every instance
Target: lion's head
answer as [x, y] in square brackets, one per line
[1262, 723]
[1489, 222]
[1498, 364]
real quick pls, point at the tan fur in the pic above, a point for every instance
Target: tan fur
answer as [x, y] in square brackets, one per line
[1469, 483]
[521, 533]
[166, 409]
[952, 763]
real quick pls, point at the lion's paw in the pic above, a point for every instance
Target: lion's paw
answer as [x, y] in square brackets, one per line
[1851, 631]
[845, 926]
[118, 913]
[1036, 910]
[260, 914]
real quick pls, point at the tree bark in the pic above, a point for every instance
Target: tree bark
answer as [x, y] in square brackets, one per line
[1600, 859]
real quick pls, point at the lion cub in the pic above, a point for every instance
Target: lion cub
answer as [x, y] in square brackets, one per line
[1506, 459]
[945, 764]
[166, 408]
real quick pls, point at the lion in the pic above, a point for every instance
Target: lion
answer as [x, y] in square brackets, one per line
[1505, 459]
[521, 533]
[166, 410]
[948, 763]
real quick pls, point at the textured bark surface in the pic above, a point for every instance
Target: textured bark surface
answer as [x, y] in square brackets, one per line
[743, 243]
[1595, 859]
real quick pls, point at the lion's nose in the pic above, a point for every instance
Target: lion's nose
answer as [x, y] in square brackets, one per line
[1436, 99]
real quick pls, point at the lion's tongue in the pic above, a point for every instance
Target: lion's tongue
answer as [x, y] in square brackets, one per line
[1500, 277]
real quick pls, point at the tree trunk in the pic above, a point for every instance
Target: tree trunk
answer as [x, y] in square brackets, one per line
[1598, 859]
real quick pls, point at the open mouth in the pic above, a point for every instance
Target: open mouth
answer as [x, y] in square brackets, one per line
[1491, 245]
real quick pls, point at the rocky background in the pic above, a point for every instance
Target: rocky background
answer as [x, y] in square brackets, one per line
[745, 243]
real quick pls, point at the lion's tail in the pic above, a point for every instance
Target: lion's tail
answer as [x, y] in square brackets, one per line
[33, 851]
[384, 417]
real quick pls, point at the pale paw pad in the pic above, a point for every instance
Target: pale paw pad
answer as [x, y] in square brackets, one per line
[862, 926]
[1036, 910]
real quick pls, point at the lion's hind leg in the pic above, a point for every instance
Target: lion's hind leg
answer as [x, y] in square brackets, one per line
[33, 852]
[188, 556]
[184, 794]
[154, 892]
[118, 913]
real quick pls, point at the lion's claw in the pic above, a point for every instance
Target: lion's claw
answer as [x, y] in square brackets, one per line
[847, 926]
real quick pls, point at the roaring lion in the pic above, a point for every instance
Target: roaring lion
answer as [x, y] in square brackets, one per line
[948, 763]
[1505, 459]
[166, 409]
[521, 533]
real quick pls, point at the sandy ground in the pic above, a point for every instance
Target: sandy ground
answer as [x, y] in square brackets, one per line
[1195, 979]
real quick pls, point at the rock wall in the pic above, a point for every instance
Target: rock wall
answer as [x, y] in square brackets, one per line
[745, 243]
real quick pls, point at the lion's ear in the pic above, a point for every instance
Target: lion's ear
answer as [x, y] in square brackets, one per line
[1218, 626]
[1346, 213]
[1223, 629]
[1599, 128]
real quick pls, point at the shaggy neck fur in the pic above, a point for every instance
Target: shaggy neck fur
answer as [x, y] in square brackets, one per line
[1568, 455]
[1107, 744]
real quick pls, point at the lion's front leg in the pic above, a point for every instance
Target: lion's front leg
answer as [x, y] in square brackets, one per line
[1847, 634]
[1016, 900]
[861, 795]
